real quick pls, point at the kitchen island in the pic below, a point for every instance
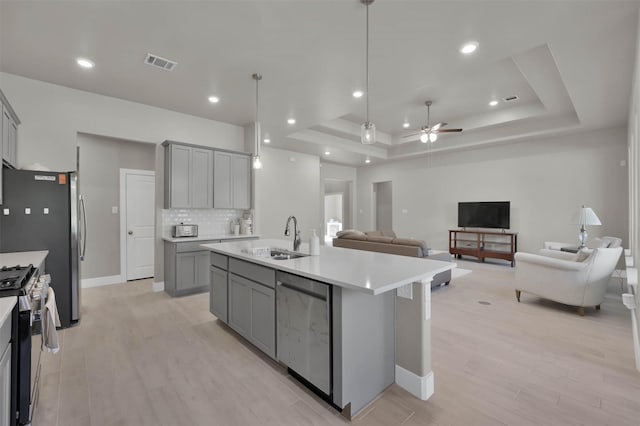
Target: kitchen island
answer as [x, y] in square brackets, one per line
[374, 336]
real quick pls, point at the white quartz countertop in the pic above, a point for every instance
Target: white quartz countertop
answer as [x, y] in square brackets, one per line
[6, 306]
[23, 258]
[366, 271]
[209, 237]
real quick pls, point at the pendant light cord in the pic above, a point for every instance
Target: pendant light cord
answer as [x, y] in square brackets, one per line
[367, 62]
[257, 77]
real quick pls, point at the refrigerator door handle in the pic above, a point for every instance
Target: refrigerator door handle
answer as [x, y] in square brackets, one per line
[84, 228]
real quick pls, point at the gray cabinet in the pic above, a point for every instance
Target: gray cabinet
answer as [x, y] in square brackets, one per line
[218, 294]
[231, 180]
[186, 268]
[5, 387]
[252, 312]
[252, 303]
[188, 176]
[8, 135]
[5, 373]
[192, 270]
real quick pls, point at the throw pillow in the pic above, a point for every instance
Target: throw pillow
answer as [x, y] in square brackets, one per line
[597, 243]
[374, 233]
[349, 232]
[583, 254]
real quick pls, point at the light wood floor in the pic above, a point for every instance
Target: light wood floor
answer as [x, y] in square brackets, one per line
[143, 358]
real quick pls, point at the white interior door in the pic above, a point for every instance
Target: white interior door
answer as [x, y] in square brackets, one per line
[140, 226]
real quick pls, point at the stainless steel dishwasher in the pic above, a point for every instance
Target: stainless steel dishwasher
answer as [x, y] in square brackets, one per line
[303, 332]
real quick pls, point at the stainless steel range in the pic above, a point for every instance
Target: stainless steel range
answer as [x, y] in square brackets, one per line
[24, 282]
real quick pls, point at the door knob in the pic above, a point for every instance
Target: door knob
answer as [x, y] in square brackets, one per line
[130, 232]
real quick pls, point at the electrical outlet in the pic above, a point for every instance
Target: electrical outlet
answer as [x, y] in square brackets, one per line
[114, 210]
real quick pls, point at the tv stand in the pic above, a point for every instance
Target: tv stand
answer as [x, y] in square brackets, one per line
[483, 244]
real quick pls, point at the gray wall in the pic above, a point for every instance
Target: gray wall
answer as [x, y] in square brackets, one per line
[546, 180]
[100, 162]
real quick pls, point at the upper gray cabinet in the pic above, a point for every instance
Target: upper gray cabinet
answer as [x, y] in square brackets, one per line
[188, 176]
[9, 132]
[231, 181]
[8, 135]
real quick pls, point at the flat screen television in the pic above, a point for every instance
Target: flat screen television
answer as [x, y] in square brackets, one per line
[488, 214]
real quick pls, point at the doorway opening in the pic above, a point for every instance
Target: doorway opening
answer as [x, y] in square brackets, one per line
[338, 207]
[382, 199]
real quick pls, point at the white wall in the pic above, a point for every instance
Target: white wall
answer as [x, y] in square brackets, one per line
[545, 180]
[53, 115]
[288, 184]
[634, 182]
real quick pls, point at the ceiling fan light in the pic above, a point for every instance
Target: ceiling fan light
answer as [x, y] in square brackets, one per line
[424, 138]
[368, 133]
[433, 137]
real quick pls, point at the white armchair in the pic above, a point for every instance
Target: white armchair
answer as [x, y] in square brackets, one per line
[598, 242]
[570, 281]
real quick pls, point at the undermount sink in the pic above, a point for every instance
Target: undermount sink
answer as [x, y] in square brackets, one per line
[277, 254]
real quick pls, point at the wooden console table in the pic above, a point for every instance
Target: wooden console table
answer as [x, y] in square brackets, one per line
[483, 244]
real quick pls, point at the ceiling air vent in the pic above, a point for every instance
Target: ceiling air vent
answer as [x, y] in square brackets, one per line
[159, 62]
[510, 98]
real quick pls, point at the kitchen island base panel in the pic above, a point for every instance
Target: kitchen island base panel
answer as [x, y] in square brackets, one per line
[363, 348]
[413, 341]
[420, 387]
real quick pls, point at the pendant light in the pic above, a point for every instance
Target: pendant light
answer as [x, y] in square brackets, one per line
[368, 129]
[257, 164]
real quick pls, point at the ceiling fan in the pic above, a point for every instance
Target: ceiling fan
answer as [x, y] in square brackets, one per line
[430, 133]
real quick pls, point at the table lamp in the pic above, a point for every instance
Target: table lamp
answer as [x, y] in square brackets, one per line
[585, 216]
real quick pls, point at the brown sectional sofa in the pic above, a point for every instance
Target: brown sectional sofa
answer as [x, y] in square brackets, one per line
[387, 242]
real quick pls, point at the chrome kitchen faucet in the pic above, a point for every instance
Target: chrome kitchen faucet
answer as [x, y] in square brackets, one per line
[296, 232]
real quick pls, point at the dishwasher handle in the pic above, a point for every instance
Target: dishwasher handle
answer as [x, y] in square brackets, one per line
[302, 290]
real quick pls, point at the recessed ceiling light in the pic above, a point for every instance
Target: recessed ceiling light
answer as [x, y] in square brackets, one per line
[291, 121]
[327, 153]
[367, 161]
[85, 63]
[469, 47]
[214, 99]
[493, 103]
[406, 124]
[266, 140]
[358, 94]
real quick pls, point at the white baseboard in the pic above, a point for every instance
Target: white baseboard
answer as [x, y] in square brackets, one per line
[158, 286]
[420, 387]
[100, 281]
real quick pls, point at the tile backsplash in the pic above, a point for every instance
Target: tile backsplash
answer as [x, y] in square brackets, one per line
[209, 221]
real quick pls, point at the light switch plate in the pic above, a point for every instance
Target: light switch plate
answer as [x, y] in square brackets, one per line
[45, 210]
[5, 212]
[114, 210]
[27, 210]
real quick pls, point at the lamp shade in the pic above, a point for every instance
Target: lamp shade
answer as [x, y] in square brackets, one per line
[586, 216]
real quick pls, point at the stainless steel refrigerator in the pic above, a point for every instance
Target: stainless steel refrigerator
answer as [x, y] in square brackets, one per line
[40, 211]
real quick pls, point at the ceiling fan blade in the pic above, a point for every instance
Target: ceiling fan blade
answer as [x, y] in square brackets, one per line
[411, 135]
[437, 126]
[449, 130]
